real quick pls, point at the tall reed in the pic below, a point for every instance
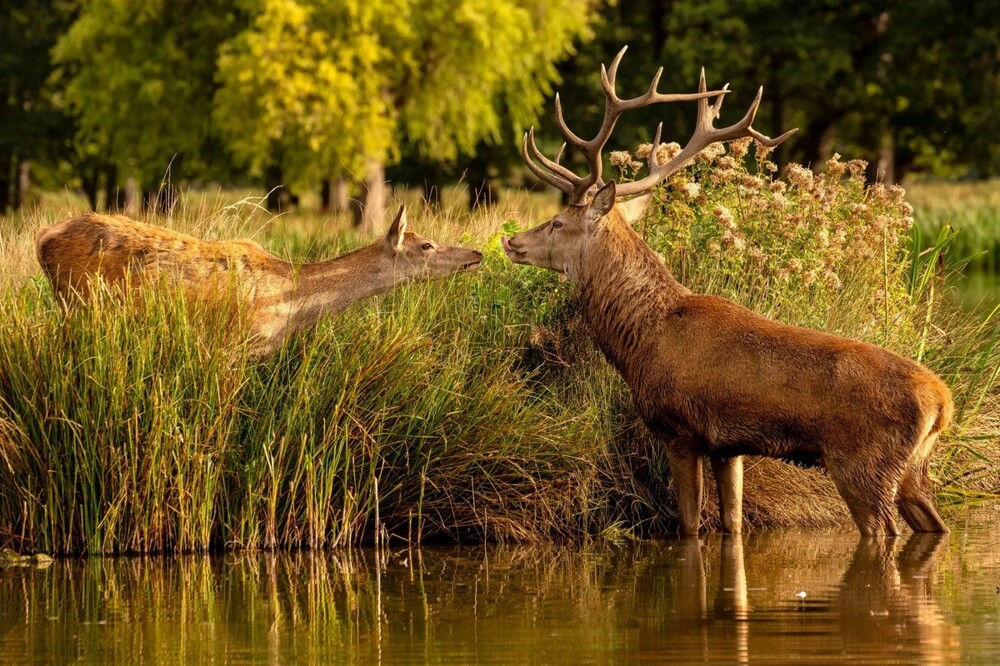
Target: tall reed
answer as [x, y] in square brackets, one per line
[474, 408]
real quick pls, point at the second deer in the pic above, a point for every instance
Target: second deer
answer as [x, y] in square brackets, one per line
[713, 379]
[280, 298]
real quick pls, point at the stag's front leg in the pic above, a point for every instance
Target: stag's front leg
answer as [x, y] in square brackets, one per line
[685, 470]
[729, 481]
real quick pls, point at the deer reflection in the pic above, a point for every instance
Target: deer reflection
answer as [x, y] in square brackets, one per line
[884, 599]
[882, 604]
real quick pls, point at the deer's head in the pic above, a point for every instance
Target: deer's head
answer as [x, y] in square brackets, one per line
[419, 258]
[562, 243]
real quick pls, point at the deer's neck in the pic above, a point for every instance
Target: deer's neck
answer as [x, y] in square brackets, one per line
[328, 287]
[626, 289]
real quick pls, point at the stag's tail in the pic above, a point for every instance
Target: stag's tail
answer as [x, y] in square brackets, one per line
[914, 497]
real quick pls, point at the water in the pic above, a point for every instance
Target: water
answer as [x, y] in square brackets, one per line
[796, 597]
[978, 290]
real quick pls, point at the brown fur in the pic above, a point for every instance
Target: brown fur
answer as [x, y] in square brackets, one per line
[281, 298]
[711, 378]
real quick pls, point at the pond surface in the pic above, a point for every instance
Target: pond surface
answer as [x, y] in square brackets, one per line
[978, 289]
[796, 597]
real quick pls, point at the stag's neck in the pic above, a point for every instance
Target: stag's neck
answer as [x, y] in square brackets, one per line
[327, 287]
[626, 289]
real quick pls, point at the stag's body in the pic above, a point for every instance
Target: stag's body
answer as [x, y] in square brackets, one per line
[279, 297]
[711, 378]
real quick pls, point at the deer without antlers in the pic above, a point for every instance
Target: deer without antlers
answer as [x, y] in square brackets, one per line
[711, 378]
[281, 299]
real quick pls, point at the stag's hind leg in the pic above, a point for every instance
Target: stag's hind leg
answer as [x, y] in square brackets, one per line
[869, 491]
[729, 481]
[914, 500]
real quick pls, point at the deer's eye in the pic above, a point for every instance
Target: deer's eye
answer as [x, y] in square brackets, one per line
[426, 247]
[556, 224]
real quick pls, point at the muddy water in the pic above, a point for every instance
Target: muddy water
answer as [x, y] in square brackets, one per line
[794, 597]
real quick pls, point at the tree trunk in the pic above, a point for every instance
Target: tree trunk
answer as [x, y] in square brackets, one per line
[23, 183]
[114, 196]
[132, 197]
[335, 196]
[89, 181]
[273, 178]
[373, 197]
[886, 169]
[5, 177]
[818, 142]
[780, 155]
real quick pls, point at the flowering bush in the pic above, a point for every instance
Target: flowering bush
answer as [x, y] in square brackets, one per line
[792, 248]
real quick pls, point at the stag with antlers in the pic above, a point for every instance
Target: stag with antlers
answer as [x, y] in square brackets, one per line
[713, 379]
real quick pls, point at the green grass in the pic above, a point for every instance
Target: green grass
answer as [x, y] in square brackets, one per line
[971, 208]
[473, 408]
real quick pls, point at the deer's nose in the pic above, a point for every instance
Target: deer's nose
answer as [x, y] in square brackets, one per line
[477, 253]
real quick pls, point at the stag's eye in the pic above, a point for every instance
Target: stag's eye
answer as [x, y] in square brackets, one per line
[426, 247]
[556, 224]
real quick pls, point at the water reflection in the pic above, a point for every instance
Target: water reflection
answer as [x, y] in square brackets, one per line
[725, 600]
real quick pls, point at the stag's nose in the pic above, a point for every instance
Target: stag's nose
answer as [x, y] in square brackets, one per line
[477, 253]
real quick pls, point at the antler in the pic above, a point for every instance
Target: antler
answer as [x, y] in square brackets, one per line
[704, 135]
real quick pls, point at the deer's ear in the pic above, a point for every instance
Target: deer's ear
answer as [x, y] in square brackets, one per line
[603, 201]
[633, 209]
[397, 231]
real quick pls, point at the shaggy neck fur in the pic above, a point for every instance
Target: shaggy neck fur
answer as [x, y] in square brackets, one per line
[331, 286]
[625, 290]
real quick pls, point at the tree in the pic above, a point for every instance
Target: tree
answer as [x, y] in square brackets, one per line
[329, 87]
[905, 85]
[31, 124]
[140, 76]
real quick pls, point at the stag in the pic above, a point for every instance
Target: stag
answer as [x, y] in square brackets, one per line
[279, 298]
[713, 379]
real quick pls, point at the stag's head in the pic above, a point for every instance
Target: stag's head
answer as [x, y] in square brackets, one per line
[418, 258]
[563, 243]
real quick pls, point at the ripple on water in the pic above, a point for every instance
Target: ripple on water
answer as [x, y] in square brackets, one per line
[798, 597]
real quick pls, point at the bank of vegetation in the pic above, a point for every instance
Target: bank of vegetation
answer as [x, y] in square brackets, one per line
[473, 408]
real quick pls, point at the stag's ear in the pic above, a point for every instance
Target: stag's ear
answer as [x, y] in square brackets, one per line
[603, 201]
[397, 231]
[633, 209]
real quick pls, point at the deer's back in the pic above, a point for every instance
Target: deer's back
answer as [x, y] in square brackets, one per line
[737, 379]
[74, 251]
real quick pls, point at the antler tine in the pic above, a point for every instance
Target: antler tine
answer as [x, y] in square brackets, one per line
[653, 160]
[561, 177]
[564, 128]
[552, 179]
[551, 165]
[611, 74]
[704, 135]
[763, 139]
[716, 108]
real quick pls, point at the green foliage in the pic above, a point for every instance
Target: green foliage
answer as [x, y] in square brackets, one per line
[875, 79]
[972, 209]
[141, 77]
[323, 86]
[32, 126]
[303, 86]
